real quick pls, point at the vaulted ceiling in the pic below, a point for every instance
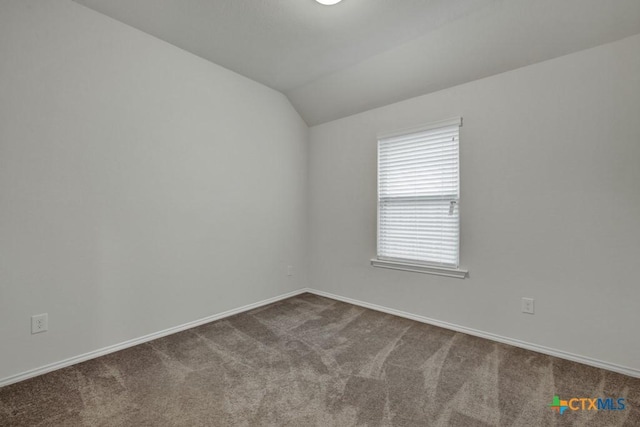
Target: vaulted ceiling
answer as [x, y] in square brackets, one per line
[333, 61]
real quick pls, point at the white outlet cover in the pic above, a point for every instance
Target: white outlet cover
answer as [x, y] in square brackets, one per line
[39, 323]
[528, 305]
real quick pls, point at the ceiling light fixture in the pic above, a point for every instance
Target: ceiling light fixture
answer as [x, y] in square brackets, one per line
[328, 2]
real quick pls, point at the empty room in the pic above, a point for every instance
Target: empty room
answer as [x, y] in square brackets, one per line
[319, 213]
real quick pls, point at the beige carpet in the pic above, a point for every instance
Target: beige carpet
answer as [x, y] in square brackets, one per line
[312, 361]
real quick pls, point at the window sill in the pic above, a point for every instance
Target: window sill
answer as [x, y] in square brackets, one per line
[458, 273]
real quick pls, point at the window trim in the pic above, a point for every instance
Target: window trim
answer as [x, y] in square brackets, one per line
[458, 273]
[414, 265]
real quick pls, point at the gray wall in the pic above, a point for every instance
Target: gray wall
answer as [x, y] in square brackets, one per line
[141, 187]
[550, 205]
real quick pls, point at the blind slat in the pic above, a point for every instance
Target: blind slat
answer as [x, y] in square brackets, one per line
[422, 153]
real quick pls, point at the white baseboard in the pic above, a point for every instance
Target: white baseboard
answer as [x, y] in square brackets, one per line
[505, 340]
[130, 343]
[632, 372]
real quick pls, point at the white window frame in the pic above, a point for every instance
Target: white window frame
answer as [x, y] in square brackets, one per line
[415, 265]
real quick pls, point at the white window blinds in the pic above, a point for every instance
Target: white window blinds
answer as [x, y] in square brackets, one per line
[418, 192]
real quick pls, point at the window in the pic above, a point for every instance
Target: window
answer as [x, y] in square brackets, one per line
[418, 200]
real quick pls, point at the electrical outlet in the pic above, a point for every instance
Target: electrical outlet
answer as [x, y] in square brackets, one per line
[290, 270]
[39, 323]
[527, 305]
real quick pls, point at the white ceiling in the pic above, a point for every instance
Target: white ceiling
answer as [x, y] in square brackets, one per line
[284, 43]
[360, 54]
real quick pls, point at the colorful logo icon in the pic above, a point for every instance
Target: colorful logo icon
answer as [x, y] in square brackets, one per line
[559, 405]
[587, 404]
